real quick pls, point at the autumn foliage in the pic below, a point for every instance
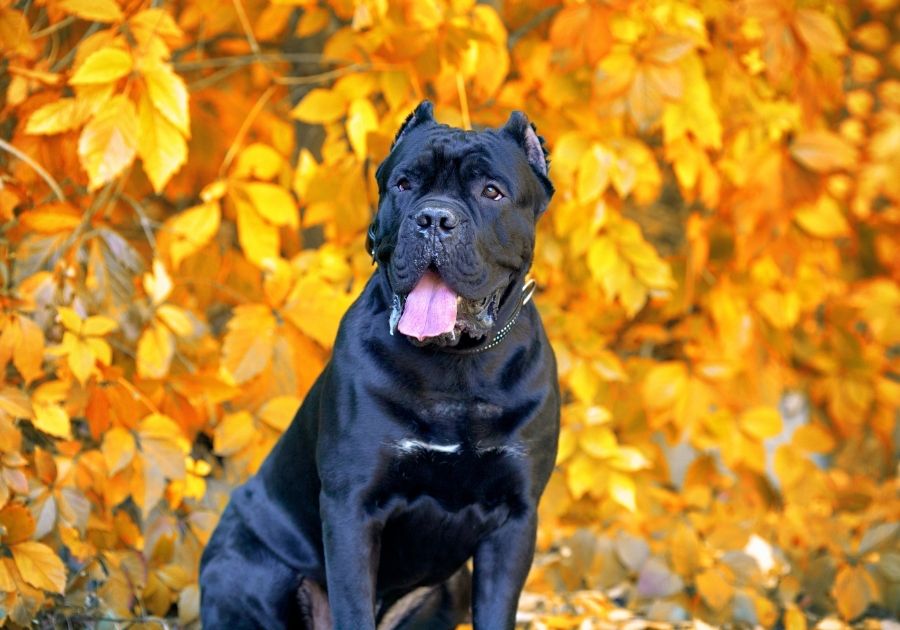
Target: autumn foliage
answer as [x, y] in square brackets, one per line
[184, 193]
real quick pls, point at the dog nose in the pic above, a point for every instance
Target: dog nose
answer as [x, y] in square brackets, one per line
[441, 220]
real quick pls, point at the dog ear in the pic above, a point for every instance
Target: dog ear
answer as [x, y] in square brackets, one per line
[424, 113]
[525, 135]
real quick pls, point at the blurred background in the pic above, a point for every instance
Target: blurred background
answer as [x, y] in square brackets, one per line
[184, 193]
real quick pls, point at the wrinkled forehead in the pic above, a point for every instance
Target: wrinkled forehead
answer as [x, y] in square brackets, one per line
[439, 146]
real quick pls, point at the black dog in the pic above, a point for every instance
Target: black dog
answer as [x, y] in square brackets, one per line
[429, 437]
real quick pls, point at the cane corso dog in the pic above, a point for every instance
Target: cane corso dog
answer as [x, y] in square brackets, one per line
[430, 435]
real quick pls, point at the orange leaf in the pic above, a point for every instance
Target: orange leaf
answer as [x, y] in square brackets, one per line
[93, 10]
[15, 34]
[279, 411]
[714, 588]
[854, 589]
[17, 524]
[823, 151]
[819, 32]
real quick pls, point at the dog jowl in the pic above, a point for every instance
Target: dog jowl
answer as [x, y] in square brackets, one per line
[455, 226]
[431, 433]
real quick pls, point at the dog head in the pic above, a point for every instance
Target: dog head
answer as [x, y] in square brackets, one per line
[455, 227]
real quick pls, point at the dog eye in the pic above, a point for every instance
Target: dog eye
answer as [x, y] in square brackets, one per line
[492, 192]
[403, 184]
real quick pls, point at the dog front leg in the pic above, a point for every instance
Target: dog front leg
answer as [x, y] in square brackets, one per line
[502, 562]
[352, 543]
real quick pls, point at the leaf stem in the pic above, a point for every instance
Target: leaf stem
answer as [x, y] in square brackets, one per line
[245, 127]
[54, 186]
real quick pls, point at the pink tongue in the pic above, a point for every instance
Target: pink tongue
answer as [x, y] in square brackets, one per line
[430, 309]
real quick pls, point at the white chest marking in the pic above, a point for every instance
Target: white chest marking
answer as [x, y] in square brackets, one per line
[410, 446]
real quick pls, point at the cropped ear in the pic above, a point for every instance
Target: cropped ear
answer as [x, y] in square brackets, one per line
[423, 113]
[525, 135]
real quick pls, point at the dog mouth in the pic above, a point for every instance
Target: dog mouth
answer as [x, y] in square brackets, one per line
[434, 314]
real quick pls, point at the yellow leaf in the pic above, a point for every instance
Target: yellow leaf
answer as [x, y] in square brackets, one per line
[155, 350]
[593, 173]
[101, 350]
[108, 143]
[273, 203]
[249, 342]
[168, 93]
[567, 446]
[7, 583]
[151, 24]
[56, 117]
[103, 66]
[714, 588]
[93, 10]
[602, 257]
[69, 318]
[824, 151]
[80, 358]
[629, 459]
[823, 219]
[854, 589]
[260, 161]
[665, 384]
[581, 475]
[361, 119]
[317, 310]
[598, 441]
[233, 433]
[162, 146]
[761, 422]
[819, 32]
[118, 449]
[158, 284]
[622, 490]
[98, 325]
[176, 319]
[794, 619]
[258, 238]
[684, 549]
[191, 230]
[320, 106]
[279, 411]
[52, 419]
[40, 566]
[813, 438]
[781, 310]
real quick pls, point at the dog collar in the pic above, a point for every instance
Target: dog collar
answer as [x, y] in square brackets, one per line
[527, 293]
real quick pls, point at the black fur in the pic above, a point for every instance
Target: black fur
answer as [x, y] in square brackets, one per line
[343, 500]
